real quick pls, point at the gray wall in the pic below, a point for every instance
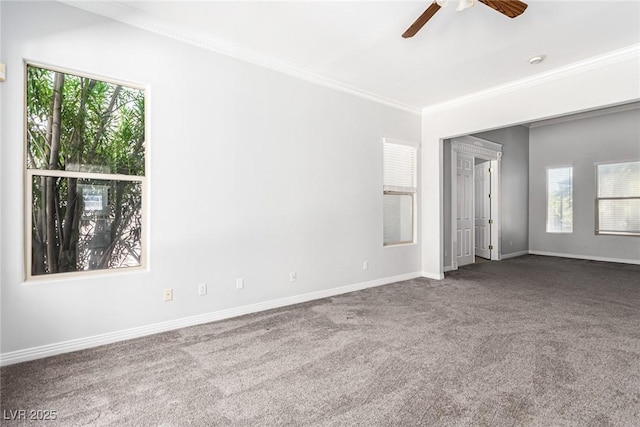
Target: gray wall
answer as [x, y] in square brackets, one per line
[581, 143]
[514, 189]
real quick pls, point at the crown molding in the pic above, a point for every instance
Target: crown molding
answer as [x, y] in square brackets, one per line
[136, 18]
[595, 62]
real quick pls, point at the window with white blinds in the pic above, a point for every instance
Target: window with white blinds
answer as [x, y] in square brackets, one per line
[399, 167]
[618, 198]
[399, 190]
[560, 200]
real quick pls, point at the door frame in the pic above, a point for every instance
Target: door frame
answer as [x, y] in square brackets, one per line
[485, 191]
[477, 148]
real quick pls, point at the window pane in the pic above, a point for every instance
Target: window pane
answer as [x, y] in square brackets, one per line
[398, 218]
[621, 215]
[560, 200]
[81, 124]
[85, 224]
[619, 180]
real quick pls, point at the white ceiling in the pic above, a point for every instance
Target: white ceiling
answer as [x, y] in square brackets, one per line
[358, 44]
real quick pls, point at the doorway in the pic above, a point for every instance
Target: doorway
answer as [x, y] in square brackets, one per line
[475, 195]
[482, 209]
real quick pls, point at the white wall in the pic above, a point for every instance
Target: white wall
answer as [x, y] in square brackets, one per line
[581, 143]
[253, 174]
[1, 178]
[608, 80]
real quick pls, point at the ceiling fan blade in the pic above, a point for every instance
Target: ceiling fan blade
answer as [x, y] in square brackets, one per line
[422, 19]
[510, 8]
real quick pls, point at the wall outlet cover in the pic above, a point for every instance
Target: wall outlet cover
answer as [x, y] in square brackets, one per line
[202, 289]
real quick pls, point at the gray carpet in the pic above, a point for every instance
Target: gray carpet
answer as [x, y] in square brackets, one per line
[531, 341]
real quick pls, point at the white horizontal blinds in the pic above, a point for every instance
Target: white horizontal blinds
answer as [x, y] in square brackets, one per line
[560, 200]
[619, 180]
[619, 198]
[619, 216]
[400, 172]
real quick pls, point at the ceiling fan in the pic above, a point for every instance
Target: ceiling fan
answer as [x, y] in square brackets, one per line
[510, 8]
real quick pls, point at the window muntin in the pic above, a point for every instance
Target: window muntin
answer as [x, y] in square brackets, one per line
[618, 198]
[85, 166]
[399, 192]
[560, 200]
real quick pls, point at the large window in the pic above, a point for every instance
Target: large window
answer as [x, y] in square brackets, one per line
[560, 200]
[399, 192]
[618, 198]
[85, 167]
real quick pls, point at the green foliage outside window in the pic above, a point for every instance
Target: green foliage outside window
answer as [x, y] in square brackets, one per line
[86, 167]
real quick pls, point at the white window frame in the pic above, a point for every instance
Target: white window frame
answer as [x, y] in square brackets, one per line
[598, 198]
[404, 191]
[547, 169]
[30, 173]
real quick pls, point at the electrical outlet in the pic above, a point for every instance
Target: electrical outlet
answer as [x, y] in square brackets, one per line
[168, 294]
[239, 283]
[293, 276]
[202, 289]
[365, 265]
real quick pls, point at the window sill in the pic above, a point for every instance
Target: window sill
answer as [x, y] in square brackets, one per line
[83, 275]
[395, 245]
[617, 233]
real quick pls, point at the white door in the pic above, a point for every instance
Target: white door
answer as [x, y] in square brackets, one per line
[464, 227]
[483, 210]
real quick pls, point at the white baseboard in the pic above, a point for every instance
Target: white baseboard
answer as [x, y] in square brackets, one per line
[514, 254]
[141, 331]
[448, 268]
[435, 276]
[589, 257]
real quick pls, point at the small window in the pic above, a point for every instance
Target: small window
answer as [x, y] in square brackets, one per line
[560, 200]
[618, 198]
[85, 167]
[399, 192]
